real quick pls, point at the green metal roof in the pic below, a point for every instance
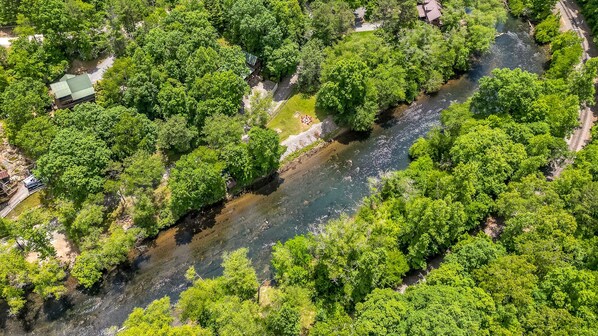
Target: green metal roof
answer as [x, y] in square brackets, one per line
[83, 93]
[66, 76]
[60, 89]
[75, 86]
[250, 59]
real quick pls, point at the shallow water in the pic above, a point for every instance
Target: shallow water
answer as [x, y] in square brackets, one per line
[331, 182]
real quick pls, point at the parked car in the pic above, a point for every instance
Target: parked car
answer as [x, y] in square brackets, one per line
[32, 183]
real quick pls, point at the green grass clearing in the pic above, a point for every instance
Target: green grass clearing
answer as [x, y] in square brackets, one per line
[31, 202]
[287, 121]
[358, 37]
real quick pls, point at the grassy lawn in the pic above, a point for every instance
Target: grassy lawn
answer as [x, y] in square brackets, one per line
[33, 201]
[288, 119]
[358, 37]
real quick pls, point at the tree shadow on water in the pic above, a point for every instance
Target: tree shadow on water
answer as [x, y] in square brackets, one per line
[388, 118]
[352, 136]
[4, 316]
[28, 316]
[55, 309]
[196, 222]
[267, 185]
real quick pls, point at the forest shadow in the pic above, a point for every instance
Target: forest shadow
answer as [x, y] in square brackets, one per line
[55, 309]
[348, 137]
[3, 317]
[389, 118]
[267, 185]
[196, 222]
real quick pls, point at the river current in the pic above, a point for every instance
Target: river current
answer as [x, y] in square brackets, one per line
[322, 187]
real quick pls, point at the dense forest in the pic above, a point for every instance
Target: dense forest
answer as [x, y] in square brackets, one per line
[590, 12]
[167, 133]
[520, 247]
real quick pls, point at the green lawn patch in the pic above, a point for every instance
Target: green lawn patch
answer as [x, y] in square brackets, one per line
[287, 120]
[33, 201]
[358, 37]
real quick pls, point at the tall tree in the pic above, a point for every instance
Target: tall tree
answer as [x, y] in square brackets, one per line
[310, 66]
[35, 136]
[264, 150]
[196, 181]
[347, 93]
[239, 277]
[74, 165]
[330, 20]
[22, 101]
[175, 135]
[32, 233]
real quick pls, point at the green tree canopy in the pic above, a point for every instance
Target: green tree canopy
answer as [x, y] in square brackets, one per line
[22, 101]
[196, 181]
[74, 164]
[239, 277]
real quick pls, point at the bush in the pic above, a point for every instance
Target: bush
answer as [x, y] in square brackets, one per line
[548, 29]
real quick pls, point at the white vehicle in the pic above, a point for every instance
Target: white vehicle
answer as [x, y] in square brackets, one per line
[32, 183]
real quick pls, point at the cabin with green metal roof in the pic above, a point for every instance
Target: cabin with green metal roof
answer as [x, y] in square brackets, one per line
[71, 90]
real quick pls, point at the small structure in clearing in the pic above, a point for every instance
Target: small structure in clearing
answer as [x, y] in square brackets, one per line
[72, 90]
[253, 64]
[429, 11]
[32, 183]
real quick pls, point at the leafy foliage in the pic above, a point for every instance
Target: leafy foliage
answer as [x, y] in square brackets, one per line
[74, 163]
[482, 168]
[196, 181]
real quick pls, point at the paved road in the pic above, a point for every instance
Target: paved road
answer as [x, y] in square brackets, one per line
[280, 91]
[7, 41]
[572, 19]
[97, 73]
[19, 197]
[285, 89]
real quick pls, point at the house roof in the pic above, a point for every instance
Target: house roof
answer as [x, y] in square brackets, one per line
[66, 77]
[75, 86]
[250, 59]
[4, 174]
[430, 10]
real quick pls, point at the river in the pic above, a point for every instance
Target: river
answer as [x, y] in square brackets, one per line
[323, 186]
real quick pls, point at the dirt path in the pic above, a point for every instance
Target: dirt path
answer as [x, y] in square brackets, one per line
[367, 26]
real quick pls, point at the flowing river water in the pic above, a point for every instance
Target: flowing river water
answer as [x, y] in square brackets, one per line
[323, 186]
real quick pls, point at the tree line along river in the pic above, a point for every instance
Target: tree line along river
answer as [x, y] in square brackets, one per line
[331, 182]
